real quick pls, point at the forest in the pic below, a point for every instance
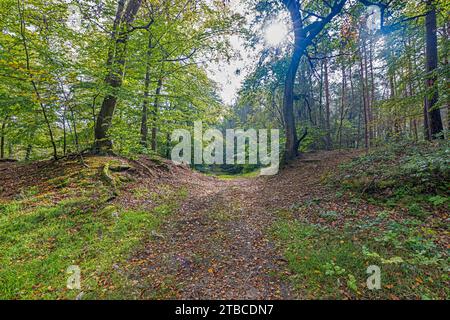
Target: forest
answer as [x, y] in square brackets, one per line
[94, 206]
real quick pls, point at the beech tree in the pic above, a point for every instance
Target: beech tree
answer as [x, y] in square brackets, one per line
[125, 16]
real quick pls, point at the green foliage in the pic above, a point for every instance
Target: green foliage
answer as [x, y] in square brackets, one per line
[46, 240]
[330, 215]
[401, 173]
[331, 263]
[351, 283]
[68, 64]
[317, 259]
[437, 200]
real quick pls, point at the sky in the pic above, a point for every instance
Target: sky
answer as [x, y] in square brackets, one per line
[224, 73]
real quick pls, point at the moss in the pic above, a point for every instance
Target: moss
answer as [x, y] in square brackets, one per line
[38, 244]
[50, 228]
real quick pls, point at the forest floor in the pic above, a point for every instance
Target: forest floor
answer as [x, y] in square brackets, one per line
[219, 245]
[149, 229]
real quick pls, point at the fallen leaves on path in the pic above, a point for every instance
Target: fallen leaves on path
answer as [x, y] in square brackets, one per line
[216, 246]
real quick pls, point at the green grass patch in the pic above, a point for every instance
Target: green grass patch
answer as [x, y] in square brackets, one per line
[251, 174]
[39, 243]
[327, 263]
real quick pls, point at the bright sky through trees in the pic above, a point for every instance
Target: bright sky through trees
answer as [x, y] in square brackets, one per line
[275, 34]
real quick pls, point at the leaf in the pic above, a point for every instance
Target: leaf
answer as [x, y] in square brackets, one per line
[393, 260]
[351, 283]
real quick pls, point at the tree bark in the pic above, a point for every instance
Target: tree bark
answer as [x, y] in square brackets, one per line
[64, 131]
[433, 121]
[365, 107]
[155, 115]
[288, 97]
[446, 78]
[372, 92]
[351, 104]
[2, 138]
[327, 106]
[144, 120]
[343, 102]
[115, 64]
[367, 95]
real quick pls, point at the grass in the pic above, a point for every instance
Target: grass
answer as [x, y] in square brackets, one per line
[251, 174]
[38, 245]
[39, 242]
[325, 263]
[220, 215]
[328, 251]
[319, 265]
[409, 175]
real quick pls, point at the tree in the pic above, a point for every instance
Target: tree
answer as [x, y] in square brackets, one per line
[303, 38]
[432, 113]
[327, 105]
[115, 65]
[31, 76]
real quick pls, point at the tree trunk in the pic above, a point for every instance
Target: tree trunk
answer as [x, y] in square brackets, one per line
[112, 42]
[372, 91]
[367, 95]
[352, 101]
[327, 106]
[144, 125]
[446, 34]
[343, 100]
[320, 118]
[433, 121]
[365, 107]
[64, 130]
[115, 64]
[303, 37]
[288, 96]
[2, 139]
[155, 115]
[168, 145]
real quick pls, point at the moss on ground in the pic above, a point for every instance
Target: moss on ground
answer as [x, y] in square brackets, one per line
[42, 236]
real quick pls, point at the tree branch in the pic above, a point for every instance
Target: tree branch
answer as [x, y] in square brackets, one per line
[144, 27]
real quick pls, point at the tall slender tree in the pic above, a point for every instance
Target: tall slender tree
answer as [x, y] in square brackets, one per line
[432, 113]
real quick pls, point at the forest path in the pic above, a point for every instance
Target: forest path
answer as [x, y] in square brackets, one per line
[218, 245]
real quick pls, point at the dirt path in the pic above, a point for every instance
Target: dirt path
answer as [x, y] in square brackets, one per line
[217, 246]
